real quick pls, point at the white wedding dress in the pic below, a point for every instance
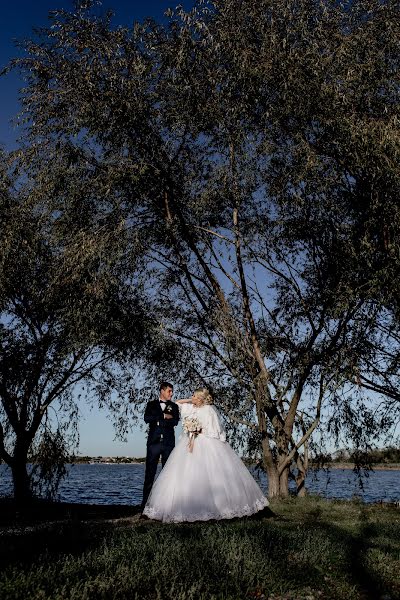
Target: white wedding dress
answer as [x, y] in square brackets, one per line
[209, 483]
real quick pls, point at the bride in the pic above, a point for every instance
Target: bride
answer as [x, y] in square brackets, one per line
[203, 478]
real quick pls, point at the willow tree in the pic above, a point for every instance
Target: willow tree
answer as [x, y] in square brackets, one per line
[251, 149]
[67, 313]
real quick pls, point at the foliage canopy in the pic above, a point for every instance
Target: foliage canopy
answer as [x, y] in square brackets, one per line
[249, 152]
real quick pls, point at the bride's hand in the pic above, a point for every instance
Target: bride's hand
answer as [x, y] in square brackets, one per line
[184, 401]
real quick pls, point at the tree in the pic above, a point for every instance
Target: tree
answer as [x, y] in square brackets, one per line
[259, 173]
[67, 313]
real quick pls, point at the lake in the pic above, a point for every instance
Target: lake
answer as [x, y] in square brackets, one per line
[122, 484]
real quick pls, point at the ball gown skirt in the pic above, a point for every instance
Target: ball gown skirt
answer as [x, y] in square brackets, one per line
[209, 483]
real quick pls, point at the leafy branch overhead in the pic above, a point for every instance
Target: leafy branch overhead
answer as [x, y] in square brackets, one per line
[241, 163]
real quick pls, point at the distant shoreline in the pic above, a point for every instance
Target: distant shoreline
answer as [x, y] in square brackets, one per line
[348, 466]
[377, 466]
[105, 462]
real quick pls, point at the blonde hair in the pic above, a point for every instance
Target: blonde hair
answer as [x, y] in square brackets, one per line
[204, 395]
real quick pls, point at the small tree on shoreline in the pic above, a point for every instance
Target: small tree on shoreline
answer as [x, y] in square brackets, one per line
[65, 317]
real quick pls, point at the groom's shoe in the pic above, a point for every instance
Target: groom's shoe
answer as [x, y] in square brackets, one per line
[143, 517]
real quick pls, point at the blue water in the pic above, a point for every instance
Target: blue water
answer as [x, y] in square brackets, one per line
[122, 484]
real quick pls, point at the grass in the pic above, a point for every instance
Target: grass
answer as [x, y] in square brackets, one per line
[311, 549]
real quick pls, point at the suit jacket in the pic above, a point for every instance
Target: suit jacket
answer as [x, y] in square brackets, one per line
[160, 428]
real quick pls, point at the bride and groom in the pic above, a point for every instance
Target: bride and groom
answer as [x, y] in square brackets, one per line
[202, 477]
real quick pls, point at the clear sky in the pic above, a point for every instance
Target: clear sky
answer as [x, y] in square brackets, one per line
[16, 21]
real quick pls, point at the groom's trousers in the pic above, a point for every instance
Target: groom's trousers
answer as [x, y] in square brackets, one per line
[154, 451]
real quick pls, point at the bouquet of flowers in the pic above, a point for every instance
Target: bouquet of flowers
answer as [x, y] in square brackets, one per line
[192, 427]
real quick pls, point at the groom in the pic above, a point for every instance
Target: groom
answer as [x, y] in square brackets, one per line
[162, 415]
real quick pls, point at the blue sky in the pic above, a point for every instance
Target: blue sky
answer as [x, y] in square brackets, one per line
[17, 19]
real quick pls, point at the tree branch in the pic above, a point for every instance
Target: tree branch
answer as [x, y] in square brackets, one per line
[308, 433]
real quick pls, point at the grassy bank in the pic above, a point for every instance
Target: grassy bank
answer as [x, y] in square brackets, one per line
[309, 549]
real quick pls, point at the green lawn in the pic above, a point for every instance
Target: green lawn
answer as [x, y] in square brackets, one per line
[310, 549]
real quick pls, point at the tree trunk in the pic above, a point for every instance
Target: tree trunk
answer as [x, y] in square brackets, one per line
[21, 479]
[278, 486]
[273, 483]
[302, 468]
[284, 483]
[300, 484]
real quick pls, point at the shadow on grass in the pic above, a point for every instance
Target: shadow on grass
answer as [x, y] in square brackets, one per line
[27, 531]
[14, 515]
[286, 554]
[371, 585]
[310, 550]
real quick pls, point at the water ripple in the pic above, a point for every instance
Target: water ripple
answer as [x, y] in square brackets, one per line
[122, 484]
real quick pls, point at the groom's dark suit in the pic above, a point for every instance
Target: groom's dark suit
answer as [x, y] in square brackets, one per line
[160, 439]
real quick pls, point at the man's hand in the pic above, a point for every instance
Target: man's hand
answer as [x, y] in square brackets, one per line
[167, 416]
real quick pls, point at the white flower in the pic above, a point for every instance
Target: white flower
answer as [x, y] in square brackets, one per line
[191, 425]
